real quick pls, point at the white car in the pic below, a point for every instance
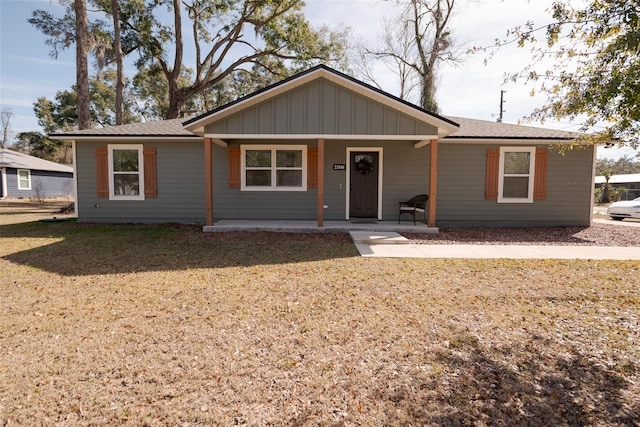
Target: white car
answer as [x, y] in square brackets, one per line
[624, 209]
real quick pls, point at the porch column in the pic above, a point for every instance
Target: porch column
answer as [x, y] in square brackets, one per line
[208, 180]
[320, 201]
[433, 181]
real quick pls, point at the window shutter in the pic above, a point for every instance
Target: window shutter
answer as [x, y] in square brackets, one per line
[312, 167]
[492, 174]
[540, 178]
[102, 172]
[150, 180]
[233, 158]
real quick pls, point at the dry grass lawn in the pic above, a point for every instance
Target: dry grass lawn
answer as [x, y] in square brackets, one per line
[165, 325]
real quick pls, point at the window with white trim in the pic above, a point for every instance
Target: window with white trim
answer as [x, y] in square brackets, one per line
[126, 172]
[515, 182]
[274, 167]
[24, 179]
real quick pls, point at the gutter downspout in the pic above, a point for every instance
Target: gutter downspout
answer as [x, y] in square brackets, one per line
[75, 179]
[3, 184]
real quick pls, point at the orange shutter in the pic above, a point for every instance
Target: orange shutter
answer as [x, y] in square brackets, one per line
[102, 172]
[233, 158]
[540, 178]
[492, 174]
[150, 181]
[312, 167]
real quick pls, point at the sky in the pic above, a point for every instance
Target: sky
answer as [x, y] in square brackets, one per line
[470, 89]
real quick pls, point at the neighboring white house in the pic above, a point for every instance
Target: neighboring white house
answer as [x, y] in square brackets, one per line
[23, 176]
[631, 182]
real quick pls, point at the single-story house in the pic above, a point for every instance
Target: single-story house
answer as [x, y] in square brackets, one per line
[322, 146]
[23, 176]
[630, 181]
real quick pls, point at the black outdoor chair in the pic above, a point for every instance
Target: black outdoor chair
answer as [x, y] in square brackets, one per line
[417, 204]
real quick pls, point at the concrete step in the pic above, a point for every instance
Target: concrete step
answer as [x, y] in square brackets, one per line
[378, 237]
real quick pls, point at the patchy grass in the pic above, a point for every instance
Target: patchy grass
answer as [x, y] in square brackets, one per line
[165, 325]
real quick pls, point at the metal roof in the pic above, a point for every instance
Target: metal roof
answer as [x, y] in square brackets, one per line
[13, 159]
[619, 179]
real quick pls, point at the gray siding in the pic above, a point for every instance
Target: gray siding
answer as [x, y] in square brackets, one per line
[43, 184]
[461, 187]
[320, 107]
[405, 174]
[180, 179]
[232, 203]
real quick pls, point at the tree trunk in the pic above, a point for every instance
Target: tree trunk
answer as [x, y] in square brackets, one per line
[119, 107]
[82, 67]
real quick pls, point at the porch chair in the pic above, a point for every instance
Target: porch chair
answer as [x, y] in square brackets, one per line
[417, 204]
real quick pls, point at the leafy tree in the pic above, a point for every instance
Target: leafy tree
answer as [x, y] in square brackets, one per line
[280, 43]
[61, 115]
[413, 46]
[282, 40]
[39, 145]
[620, 166]
[595, 48]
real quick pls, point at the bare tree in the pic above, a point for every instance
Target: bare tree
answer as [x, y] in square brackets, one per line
[416, 45]
[82, 67]
[5, 118]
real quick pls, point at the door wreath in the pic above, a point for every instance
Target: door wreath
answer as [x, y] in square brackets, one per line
[364, 165]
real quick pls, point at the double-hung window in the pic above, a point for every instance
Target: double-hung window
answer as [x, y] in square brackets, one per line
[516, 178]
[24, 179]
[126, 172]
[274, 167]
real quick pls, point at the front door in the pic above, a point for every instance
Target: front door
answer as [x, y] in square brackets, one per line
[364, 169]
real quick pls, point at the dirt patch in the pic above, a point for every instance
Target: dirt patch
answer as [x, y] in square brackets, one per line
[16, 211]
[166, 325]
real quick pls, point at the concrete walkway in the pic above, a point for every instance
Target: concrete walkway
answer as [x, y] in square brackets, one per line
[393, 245]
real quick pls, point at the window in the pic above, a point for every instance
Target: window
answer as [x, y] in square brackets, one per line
[515, 183]
[24, 179]
[274, 168]
[126, 177]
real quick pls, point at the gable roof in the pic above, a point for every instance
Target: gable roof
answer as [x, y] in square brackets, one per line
[13, 159]
[445, 125]
[451, 129]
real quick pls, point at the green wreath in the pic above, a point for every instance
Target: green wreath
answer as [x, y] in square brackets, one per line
[364, 166]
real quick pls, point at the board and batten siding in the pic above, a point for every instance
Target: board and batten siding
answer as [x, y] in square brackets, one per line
[180, 186]
[461, 190]
[319, 108]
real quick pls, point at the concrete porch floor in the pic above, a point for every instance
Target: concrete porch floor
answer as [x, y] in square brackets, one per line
[312, 227]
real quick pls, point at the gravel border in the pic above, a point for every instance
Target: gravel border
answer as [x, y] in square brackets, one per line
[596, 235]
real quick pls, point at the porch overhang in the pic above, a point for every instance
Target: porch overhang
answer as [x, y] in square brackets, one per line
[223, 140]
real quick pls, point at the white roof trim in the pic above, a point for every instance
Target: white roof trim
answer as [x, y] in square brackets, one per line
[445, 128]
[349, 137]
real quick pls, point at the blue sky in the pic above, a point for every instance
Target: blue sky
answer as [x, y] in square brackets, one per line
[469, 89]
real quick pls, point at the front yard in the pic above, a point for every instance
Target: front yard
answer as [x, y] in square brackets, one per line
[165, 325]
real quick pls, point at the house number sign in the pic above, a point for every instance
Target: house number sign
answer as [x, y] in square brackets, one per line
[339, 167]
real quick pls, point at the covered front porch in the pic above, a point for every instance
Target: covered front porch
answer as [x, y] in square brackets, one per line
[284, 226]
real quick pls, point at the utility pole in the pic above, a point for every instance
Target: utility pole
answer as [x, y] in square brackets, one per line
[502, 101]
